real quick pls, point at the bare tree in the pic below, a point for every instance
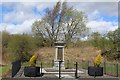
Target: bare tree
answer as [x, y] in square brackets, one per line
[62, 18]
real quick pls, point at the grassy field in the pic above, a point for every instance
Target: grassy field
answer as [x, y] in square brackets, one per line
[0, 71]
[4, 70]
[112, 69]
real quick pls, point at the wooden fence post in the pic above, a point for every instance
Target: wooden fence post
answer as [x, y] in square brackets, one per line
[104, 67]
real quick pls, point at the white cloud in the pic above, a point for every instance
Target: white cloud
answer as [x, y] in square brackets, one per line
[18, 17]
[96, 12]
[102, 26]
[25, 27]
[95, 15]
[19, 14]
[106, 8]
[24, 11]
[44, 5]
[24, 15]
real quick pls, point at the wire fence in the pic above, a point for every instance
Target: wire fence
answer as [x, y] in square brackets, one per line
[112, 69]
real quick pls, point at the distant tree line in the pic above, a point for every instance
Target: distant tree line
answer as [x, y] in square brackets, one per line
[109, 43]
[22, 46]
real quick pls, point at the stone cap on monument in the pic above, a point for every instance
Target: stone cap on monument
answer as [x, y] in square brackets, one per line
[59, 43]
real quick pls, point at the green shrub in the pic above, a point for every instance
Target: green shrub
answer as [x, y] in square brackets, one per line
[21, 46]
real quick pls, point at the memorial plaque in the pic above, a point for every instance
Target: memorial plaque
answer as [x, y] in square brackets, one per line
[59, 54]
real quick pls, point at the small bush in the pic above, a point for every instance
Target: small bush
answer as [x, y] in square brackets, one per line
[97, 61]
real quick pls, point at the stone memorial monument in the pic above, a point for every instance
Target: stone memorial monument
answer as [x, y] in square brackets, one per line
[59, 51]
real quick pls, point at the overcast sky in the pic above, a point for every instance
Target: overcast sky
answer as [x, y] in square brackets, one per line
[17, 17]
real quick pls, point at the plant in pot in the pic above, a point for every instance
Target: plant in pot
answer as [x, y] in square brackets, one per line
[96, 70]
[32, 70]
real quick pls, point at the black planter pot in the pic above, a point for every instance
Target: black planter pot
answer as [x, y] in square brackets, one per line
[95, 71]
[32, 71]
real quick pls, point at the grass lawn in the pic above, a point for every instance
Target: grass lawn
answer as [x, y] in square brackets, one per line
[119, 70]
[25, 64]
[111, 69]
[4, 69]
[0, 71]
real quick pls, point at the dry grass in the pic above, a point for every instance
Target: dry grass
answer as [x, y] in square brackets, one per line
[73, 54]
[46, 54]
[77, 54]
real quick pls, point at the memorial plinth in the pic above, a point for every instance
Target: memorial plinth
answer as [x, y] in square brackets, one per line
[59, 55]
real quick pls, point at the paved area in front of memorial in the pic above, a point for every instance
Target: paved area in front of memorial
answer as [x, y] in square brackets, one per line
[65, 74]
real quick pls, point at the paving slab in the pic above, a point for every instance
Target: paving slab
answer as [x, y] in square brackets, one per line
[65, 76]
[82, 74]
